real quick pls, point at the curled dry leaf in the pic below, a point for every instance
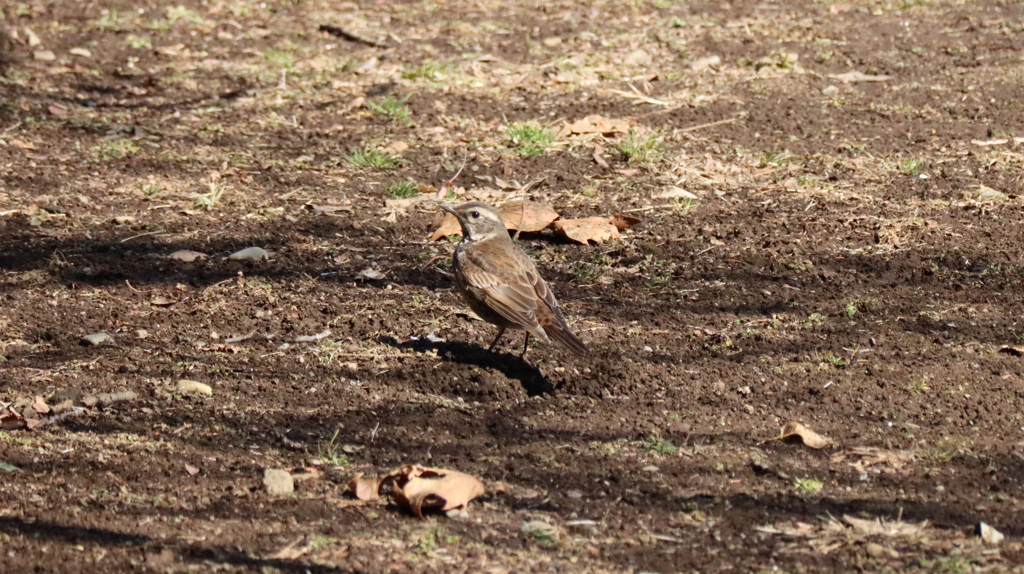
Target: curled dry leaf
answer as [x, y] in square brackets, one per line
[421, 487]
[624, 222]
[596, 229]
[797, 432]
[528, 217]
[595, 124]
[365, 487]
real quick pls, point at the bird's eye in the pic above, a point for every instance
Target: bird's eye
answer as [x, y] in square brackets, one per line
[476, 215]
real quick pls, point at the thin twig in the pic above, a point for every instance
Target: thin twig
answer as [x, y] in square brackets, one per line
[143, 235]
[711, 124]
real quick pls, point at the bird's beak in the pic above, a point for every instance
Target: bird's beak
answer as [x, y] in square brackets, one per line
[449, 209]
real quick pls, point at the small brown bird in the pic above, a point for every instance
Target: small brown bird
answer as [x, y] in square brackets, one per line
[500, 283]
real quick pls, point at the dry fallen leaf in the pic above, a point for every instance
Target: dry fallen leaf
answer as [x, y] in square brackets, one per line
[596, 229]
[421, 487]
[877, 526]
[291, 551]
[595, 124]
[863, 457]
[396, 148]
[365, 487]
[794, 431]
[529, 218]
[624, 222]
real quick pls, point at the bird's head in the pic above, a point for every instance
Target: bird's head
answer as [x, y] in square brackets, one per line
[479, 221]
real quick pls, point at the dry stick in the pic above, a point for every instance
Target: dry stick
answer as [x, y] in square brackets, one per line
[708, 125]
[143, 235]
[219, 283]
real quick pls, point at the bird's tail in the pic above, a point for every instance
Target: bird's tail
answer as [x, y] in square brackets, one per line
[562, 334]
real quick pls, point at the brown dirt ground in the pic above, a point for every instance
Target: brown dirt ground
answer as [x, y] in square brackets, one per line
[844, 266]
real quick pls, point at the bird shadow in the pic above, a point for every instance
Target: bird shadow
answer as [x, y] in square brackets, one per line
[534, 382]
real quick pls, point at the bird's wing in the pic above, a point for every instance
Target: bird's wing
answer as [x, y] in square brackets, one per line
[550, 317]
[518, 293]
[508, 290]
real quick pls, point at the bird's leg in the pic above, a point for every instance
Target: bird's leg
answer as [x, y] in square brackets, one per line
[526, 345]
[501, 331]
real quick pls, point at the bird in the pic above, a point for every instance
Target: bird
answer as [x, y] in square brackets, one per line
[500, 283]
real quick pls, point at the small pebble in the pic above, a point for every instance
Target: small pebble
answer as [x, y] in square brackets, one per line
[638, 57]
[248, 254]
[278, 482]
[186, 255]
[876, 550]
[706, 62]
[95, 339]
[989, 535]
[187, 386]
[673, 192]
[370, 274]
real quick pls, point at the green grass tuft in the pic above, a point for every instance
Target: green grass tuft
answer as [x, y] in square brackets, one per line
[530, 139]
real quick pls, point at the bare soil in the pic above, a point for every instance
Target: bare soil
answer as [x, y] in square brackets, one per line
[852, 261]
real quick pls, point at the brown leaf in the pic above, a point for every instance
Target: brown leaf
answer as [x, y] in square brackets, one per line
[863, 457]
[599, 157]
[162, 301]
[797, 432]
[624, 222]
[40, 406]
[448, 226]
[291, 551]
[421, 487]
[365, 487]
[396, 148]
[533, 217]
[58, 109]
[596, 229]
[528, 216]
[595, 124]
[191, 470]
[22, 144]
[878, 526]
